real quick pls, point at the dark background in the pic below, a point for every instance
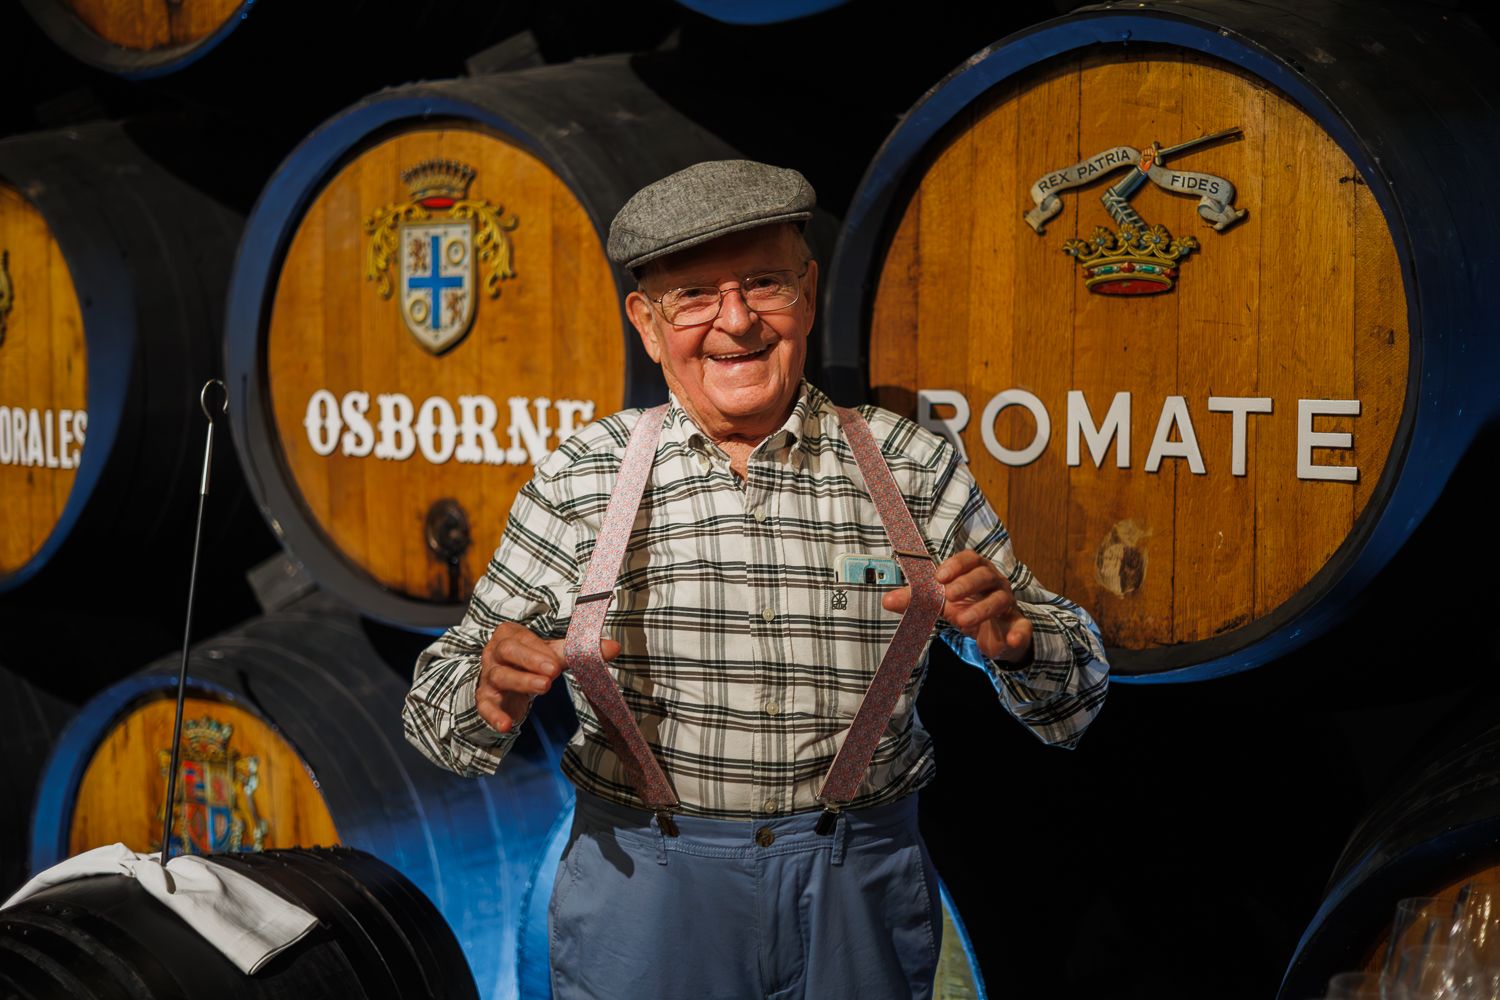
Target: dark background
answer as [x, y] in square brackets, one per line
[1183, 848]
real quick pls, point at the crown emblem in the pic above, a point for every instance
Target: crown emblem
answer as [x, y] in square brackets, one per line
[1138, 258]
[1133, 261]
[438, 183]
[215, 808]
[206, 739]
[447, 248]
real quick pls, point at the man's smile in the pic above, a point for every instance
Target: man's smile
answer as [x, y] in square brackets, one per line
[737, 356]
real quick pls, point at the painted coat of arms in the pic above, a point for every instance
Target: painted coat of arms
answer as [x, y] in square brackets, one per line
[216, 811]
[451, 249]
[1138, 258]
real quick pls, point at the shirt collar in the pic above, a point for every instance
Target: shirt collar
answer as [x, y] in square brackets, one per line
[807, 420]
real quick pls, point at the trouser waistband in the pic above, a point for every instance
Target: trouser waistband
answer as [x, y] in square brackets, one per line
[760, 837]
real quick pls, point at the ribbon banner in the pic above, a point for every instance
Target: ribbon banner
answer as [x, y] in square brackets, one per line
[1215, 194]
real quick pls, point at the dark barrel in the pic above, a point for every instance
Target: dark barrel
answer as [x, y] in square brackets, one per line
[1210, 428]
[764, 12]
[390, 400]
[292, 737]
[105, 937]
[112, 277]
[155, 38]
[30, 721]
[1434, 832]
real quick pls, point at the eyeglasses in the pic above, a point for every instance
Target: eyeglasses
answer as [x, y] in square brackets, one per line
[766, 291]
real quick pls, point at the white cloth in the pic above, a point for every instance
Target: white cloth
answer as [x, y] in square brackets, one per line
[248, 923]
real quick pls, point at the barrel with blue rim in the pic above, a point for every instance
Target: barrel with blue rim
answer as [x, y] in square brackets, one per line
[422, 309]
[1198, 289]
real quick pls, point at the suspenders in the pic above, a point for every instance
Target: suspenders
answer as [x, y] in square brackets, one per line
[597, 587]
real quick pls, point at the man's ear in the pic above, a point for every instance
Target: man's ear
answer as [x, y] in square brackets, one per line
[639, 311]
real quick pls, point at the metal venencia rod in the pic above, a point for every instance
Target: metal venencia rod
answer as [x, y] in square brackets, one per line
[187, 627]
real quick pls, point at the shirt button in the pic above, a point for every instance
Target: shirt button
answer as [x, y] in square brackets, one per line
[759, 514]
[765, 837]
[772, 708]
[768, 615]
[770, 805]
[705, 463]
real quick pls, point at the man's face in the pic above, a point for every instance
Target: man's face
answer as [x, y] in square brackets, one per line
[738, 374]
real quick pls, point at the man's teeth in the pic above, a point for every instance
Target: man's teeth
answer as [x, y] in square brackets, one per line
[734, 357]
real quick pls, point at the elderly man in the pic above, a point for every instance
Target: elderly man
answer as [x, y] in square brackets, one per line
[773, 569]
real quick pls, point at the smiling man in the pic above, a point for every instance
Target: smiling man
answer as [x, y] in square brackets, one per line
[726, 581]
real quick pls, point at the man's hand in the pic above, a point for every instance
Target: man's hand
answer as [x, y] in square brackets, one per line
[978, 602]
[516, 666]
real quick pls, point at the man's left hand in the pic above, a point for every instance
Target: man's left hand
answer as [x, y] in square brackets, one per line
[978, 602]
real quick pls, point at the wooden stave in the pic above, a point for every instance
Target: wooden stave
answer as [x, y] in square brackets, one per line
[460, 841]
[523, 106]
[98, 198]
[1392, 160]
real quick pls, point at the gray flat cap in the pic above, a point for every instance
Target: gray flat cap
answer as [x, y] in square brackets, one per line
[702, 203]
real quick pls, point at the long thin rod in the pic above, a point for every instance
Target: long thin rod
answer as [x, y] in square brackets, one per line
[187, 629]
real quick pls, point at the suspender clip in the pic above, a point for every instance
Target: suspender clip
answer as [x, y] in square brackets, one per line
[666, 823]
[827, 822]
[600, 596]
[924, 554]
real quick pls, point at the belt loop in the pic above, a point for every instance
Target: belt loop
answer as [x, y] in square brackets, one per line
[661, 839]
[840, 834]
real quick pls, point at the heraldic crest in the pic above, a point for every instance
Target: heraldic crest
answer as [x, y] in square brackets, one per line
[436, 237]
[215, 808]
[1138, 258]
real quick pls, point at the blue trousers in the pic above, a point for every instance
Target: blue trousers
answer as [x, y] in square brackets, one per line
[730, 910]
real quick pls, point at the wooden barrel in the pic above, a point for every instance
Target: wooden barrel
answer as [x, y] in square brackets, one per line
[422, 309]
[293, 738]
[153, 38]
[112, 276]
[1211, 389]
[30, 721]
[1431, 835]
[105, 937]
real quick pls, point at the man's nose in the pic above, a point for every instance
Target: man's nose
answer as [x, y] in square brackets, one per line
[734, 312]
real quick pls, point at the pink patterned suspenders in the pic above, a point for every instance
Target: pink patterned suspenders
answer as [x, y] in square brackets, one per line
[597, 587]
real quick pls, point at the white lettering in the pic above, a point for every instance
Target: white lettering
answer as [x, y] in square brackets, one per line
[47, 429]
[34, 439]
[1308, 439]
[322, 422]
[65, 438]
[359, 439]
[948, 427]
[18, 429]
[397, 442]
[436, 430]
[1116, 425]
[1175, 412]
[80, 422]
[1015, 397]
[522, 427]
[6, 450]
[478, 425]
[1240, 406]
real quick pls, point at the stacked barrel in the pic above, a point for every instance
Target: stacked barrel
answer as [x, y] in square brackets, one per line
[1193, 288]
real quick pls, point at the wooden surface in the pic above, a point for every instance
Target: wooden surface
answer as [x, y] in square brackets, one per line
[153, 24]
[43, 366]
[553, 332]
[1302, 299]
[121, 795]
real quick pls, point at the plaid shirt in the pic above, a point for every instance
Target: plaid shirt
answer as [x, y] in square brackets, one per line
[743, 659]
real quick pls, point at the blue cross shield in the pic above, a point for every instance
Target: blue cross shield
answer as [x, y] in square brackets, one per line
[437, 281]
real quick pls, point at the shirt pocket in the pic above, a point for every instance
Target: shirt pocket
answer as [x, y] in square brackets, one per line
[859, 629]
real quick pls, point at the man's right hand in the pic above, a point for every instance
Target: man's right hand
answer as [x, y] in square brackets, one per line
[515, 667]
